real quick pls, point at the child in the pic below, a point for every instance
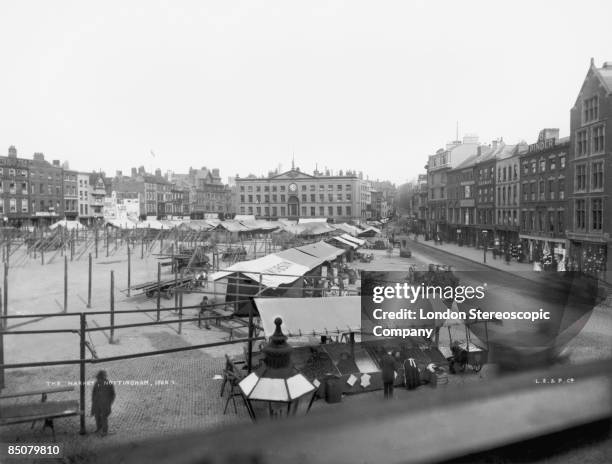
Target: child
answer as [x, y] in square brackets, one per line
[102, 398]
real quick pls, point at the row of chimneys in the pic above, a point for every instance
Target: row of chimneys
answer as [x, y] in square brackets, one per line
[12, 153]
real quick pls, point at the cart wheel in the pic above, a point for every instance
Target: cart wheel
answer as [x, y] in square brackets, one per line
[476, 367]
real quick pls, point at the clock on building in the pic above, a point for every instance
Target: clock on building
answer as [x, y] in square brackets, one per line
[292, 187]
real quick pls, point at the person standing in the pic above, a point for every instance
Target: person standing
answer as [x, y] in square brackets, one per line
[388, 374]
[203, 311]
[102, 397]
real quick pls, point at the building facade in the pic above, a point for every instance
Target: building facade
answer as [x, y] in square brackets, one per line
[590, 172]
[543, 200]
[14, 189]
[295, 194]
[46, 191]
[438, 166]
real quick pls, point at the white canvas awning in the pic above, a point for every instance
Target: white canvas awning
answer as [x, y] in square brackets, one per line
[275, 271]
[345, 242]
[311, 316]
[355, 240]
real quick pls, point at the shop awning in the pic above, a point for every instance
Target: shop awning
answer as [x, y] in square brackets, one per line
[275, 271]
[311, 316]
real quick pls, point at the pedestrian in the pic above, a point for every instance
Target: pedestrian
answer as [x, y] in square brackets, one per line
[388, 374]
[102, 397]
[203, 310]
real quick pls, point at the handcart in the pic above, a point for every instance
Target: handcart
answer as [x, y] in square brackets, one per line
[465, 352]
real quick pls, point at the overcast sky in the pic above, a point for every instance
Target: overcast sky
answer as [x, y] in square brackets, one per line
[372, 86]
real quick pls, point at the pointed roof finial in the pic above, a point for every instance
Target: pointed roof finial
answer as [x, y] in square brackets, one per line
[293, 161]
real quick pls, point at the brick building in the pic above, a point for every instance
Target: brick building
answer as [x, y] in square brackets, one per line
[14, 189]
[543, 200]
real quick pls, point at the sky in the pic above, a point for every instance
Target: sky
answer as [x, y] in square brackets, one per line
[245, 86]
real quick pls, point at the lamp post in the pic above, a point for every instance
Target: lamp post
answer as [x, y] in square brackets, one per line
[275, 389]
[484, 247]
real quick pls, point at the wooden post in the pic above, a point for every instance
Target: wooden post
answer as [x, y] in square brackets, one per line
[161, 243]
[2, 328]
[175, 288]
[89, 283]
[129, 276]
[142, 247]
[158, 288]
[5, 294]
[107, 242]
[82, 373]
[96, 241]
[180, 324]
[65, 283]
[71, 250]
[112, 306]
[42, 256]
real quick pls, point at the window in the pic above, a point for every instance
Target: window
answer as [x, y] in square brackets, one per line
[347, 187]
[266, 198]
[321, 197]
[542, 165]
[282, 198]
[597, 173]
[580, 214]
[303, 187]
[313, 211]
[597, 139]
[330, 197]
[551, 189]
[553, 164]
[258, 188]
[313, 198]
[13, 205]
[551, 221]
[258, 210]
[274, 198]
[581, 143]
[274, 211]
[590, 110]
[533, 191]
[241, 198]
[282, 188]
[525, 191]
[12, 188]
[330, 211]
[596, 214]
[321, 211]
[250, 198]
[304, 196]
[257, 198]
[504, 171]
[515, 172]
[339, 209]
[339, 197]
[282, 210]
[348, 197]
[560, 221]
[267, 211]
[274, 188]
[467, 191]
[514, 195]
[562, 162]
[533, 166]
[11, 172]
[581, 180]
[525, 167]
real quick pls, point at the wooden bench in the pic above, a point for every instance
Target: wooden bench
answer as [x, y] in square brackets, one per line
[33, 412]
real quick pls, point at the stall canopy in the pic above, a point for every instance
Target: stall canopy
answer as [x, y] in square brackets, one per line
[344, 241]
[275, 271]
[311, 316]
[350, 238]
[299, 257]
[233, 226]
[322, 250]
[349, 229]
[369, 232]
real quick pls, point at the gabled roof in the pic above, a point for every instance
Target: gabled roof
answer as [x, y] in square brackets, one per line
[292, 174]
[604, 74]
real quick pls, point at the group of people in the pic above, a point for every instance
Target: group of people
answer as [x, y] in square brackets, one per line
[389, 368]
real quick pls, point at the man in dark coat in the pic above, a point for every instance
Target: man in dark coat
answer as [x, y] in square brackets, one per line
[204, 306]
[388, 374]
[102, 398]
